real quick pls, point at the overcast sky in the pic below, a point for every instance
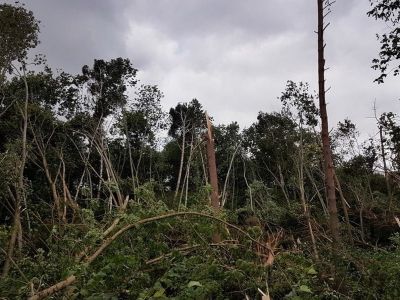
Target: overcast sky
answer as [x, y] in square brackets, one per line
[235, 56]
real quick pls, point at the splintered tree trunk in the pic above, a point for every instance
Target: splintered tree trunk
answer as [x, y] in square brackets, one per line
[212, 166]
[327, 154]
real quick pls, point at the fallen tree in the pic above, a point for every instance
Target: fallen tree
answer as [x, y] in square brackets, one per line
[107, 242]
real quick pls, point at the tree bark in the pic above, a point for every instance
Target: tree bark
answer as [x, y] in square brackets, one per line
[327, 154]
[212, 170]
[212, 166]
[54, 289]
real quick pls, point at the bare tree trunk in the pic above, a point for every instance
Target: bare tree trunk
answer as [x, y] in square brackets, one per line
[100, 177]
[247, 184]
[233, 187]
[227, 176]
[178, 182]
[203, 166]
[327, 154]
[187, 184]
[138, 165]
[188, 172]
[112, 176]
[212, 166]
[131, 166]
[183, 187]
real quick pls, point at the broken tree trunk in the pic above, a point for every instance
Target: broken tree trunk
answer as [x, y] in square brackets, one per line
[326, 147]
[212, 165]
[212, 170]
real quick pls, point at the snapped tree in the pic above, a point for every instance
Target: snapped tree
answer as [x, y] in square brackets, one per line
[323, 10]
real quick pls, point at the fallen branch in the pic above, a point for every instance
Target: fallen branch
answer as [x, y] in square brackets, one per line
[88, 260]
[110, 229]
[159, 258]
[188, 249]
[54, 288]
[108, 241]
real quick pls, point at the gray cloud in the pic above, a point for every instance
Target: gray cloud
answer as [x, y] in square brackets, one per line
[234, 56]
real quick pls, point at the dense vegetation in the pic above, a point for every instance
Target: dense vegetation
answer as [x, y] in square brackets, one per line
[95, 204]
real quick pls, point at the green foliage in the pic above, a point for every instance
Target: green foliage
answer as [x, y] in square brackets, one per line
[202, 278]
[147, 192]
[18, 33]
[119, 275]
[388, 11]
[271, 143]
[186, 118]
[107, 82]
[299, 104]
